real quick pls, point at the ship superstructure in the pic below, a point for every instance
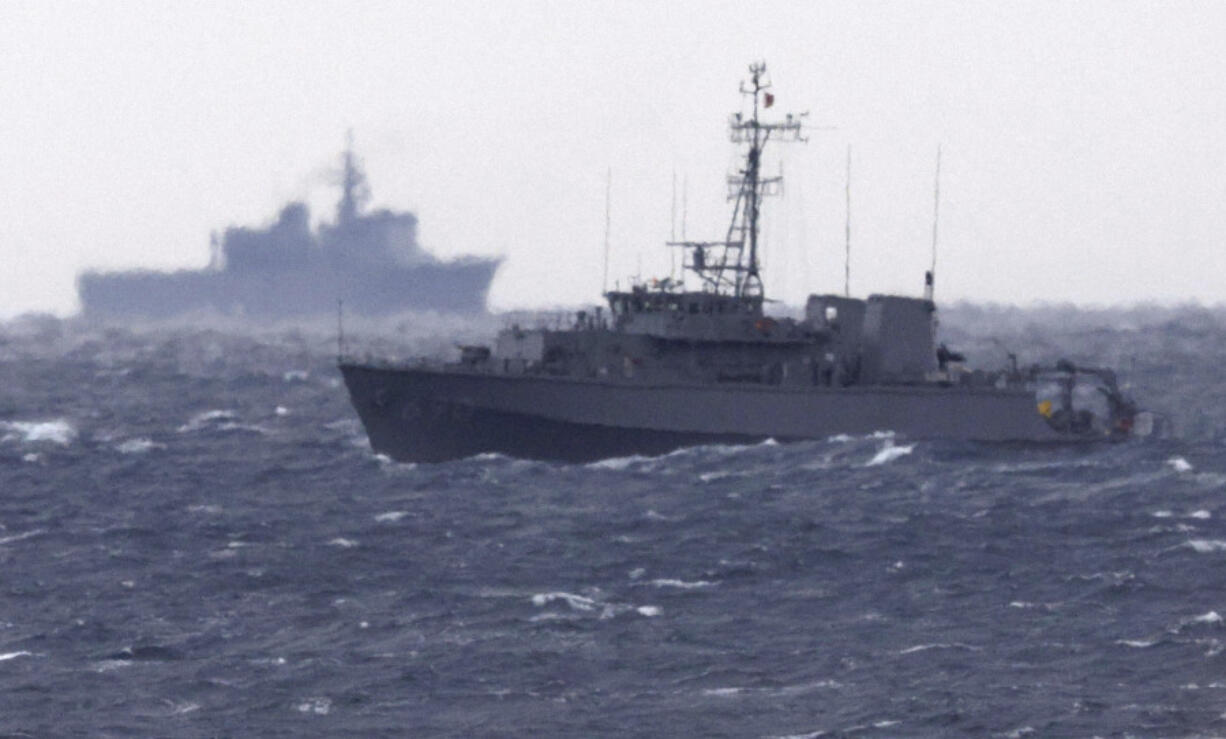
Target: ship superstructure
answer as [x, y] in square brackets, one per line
[370, 260]
[673, 363]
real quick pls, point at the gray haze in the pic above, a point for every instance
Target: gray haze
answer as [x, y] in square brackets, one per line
[1082, 152]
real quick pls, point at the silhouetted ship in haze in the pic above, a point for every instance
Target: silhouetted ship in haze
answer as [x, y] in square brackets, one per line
[369, 261]
[673, 365]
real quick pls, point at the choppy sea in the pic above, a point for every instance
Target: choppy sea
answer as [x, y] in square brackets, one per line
[196, 540]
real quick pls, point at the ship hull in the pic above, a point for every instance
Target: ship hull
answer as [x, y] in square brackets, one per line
[427, 415]
[457, 287]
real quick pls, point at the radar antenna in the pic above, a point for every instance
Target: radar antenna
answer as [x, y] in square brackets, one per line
[728, 271]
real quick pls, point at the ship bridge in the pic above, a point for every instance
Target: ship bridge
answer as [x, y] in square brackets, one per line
[699, 316]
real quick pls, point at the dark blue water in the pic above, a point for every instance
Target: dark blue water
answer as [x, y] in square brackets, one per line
[196, 540]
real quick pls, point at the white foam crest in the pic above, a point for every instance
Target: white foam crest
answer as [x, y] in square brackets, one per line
[552, 616]
[700, 451]
[138, 446]
[1211, 617]
[56, 431]
[581, 604]
[939, 645]
[1179, 464]
[713, 476]
[883, 435]
[1135, 643]
[391, 516]
[1162, 514]
[488, 457]
[617, 463]
[295, 376]
[392, 466]
[234, 426]
[802, 688]
[1201, 515]
[1207, 546]
[577, 602]
[14, 655]
[22, 536]
[889, 453]
[319, 706]
[342, 542]
[281, 410]
[178, 709]
[31, 457]
[204, 418]
[720, 449]
[210, 508]
[785, 691]
[682, 584]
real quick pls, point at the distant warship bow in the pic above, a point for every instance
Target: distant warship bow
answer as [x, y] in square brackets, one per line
[674, 364]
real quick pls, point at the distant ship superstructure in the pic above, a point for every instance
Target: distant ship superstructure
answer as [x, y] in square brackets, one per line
[672, 366]
[369, 260]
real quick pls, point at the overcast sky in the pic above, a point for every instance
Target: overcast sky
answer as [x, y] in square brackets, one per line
[1083, 149]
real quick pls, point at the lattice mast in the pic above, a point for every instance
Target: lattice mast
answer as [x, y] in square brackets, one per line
[728, 271]
[354, 189]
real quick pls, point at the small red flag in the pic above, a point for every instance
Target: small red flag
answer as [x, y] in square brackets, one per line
[770, 99]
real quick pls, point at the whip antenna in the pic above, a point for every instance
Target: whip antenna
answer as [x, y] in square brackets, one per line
[685, 191]
[608, 194]
[847, 232]
[672, 230]
[930, 278]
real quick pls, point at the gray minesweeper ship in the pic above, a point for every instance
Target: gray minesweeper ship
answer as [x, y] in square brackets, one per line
[369, 261]
[669, 367]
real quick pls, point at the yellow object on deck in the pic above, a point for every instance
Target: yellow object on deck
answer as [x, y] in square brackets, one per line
[1045, 409]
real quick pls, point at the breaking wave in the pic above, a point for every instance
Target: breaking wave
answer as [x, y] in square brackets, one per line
[57, 431]
[889, 453]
